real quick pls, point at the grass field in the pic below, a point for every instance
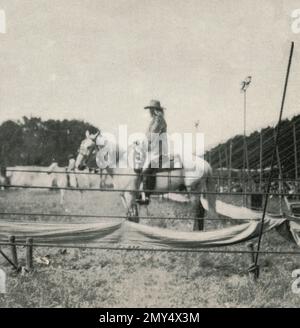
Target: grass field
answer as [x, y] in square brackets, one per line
[97, 278]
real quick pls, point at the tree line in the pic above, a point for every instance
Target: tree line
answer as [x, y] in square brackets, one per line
[259, 145]
[32, 141]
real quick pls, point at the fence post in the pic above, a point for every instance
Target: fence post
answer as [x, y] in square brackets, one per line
[253, 269]
[13, 249]
[251, 249]
[29, 254]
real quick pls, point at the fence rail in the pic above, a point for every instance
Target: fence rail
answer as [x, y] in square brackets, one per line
[217, 177]
[153, 249]
[192, 192]
[137, 248]
[96, 216]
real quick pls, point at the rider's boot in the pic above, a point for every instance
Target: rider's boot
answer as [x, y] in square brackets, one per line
[144, 197]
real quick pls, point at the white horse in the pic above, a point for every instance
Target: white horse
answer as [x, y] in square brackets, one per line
[66, 178]
[195, 176]
[59, 179]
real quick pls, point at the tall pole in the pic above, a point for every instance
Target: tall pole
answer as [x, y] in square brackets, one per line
[280, 180]
[295, 151]
[245, 118]
[280, 175]
[227, 164]
[221, 169]
[278, 159]
[295, 157]
[245, 84]
[255, 267]
[244, 150]
[220, 161]
[230, 163]
[260, 160]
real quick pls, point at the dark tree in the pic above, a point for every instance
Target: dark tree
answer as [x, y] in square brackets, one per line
[32, 141]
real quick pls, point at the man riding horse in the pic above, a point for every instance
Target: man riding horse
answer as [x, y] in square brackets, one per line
[141, 159]
[157, 145]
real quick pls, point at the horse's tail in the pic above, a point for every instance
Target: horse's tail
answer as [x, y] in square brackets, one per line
[211, 194]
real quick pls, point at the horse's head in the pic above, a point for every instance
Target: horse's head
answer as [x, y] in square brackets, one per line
[85, 150]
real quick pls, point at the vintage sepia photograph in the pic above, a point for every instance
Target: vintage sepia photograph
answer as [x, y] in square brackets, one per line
[149, 156]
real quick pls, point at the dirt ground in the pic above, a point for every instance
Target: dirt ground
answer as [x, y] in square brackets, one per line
[98, 278]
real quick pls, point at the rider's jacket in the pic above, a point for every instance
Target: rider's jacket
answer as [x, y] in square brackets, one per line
[156, 136]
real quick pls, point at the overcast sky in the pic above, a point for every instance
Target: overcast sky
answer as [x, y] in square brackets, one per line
[103, 60]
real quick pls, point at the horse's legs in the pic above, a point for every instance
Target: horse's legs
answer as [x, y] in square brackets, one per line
[110, 172]
[62, 196]
[101, 178]
[211, 196]
[198, 212]
[134, 214]
[129, 200]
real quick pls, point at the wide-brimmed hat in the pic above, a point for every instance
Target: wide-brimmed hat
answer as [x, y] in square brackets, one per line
[154, 104]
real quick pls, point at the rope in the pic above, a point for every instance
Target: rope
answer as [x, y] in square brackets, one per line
[273, 159]
[8, 259]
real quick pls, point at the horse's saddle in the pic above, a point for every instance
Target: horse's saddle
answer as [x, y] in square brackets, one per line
[168, 163]
[164, 164]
